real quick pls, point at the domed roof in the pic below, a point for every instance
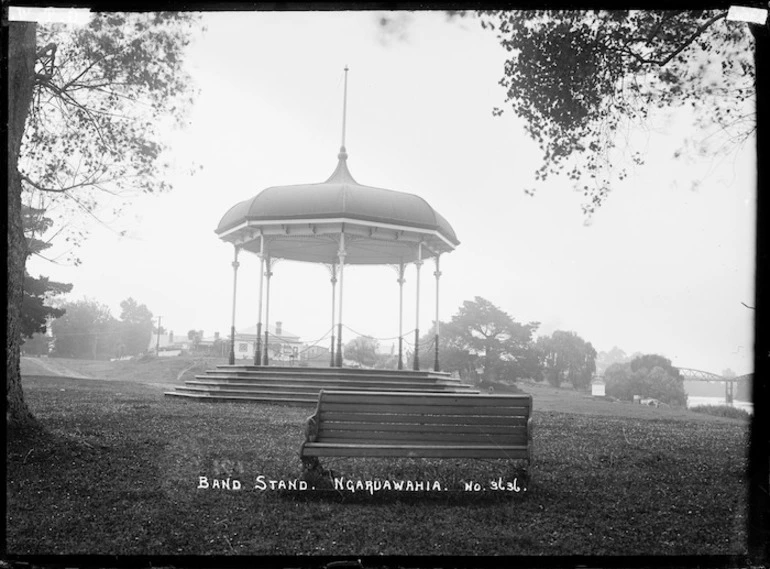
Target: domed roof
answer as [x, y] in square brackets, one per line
[338, 197]
[341, 199]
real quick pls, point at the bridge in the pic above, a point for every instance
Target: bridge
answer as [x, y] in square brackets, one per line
[698, 375]
[690, 374]
[730, 382]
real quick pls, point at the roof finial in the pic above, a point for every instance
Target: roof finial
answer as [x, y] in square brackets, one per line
[343, 153]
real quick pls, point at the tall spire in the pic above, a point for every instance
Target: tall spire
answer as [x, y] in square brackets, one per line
[343, 152]
[342, 174]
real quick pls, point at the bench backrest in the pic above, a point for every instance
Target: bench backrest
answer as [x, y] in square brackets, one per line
[437, 418]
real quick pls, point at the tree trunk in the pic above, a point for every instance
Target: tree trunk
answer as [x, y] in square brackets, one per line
[21, 78]
[759, 447]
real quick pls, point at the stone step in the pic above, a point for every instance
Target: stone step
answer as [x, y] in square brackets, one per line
[315, 388]
[302, 385]
[288, 370]
[255, 373]
[324, 381]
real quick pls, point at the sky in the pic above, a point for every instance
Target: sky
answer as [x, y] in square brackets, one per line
[662, 267]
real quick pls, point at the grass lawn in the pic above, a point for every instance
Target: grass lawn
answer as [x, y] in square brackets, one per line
[117, 472]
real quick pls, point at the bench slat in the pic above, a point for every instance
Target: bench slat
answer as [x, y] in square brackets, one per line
[395, 409]
[435, 399]
[417, 451]
[420, 428]
[453, 439]
[520, 420]
[424, 425]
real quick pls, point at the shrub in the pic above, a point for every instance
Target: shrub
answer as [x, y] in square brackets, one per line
[498, 387]
[661, 382]
[722, 411]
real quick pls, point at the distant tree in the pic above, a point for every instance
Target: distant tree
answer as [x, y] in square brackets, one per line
[579, 79]
[567, 357]
[386, 361]
[728, 373]
[482, 334]
[363, 350]
[649, 361]
[135, 327]
[454, 353]
[660, 384]
[87, 330]
[613, 356]
[218, 347]
[195, 336]
[37, 345]
[659, 381]
[619, 382]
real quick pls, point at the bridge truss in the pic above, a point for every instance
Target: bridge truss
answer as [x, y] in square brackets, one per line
[698, 375]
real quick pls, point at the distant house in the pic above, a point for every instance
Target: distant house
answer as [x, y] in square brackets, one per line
[283, 346]
[597, 387]
[314, 356]
[167, 342]
[213, 345]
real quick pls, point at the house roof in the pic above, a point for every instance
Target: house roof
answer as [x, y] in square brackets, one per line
[252, 331]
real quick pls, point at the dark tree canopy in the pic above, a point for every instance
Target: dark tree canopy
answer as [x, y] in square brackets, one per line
[454, 353]
[35, 311]
[580, 78]
[87, 330]
[649, 376]
[482, 334]
[195, 336]
[135, 328]
[567, 357]
[86, 112]
[104, 93]
[363, 350]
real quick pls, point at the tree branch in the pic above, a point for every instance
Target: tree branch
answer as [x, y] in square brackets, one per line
[88, 182]
[86, 70]
[65, 96]
[662, 62]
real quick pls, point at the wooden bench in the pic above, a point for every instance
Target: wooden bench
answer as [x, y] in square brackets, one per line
[424, 425]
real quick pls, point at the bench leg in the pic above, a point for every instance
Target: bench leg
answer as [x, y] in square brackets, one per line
[527, 473]
[311, 464]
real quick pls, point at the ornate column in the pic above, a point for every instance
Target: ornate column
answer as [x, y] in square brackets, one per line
[268, 274]
[417, 265]
[231, 360]
[333, 271]
[437, 274]
[258, 344]
[400, 281]
[341, 255]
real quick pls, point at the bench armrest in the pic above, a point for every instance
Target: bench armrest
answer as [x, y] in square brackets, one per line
[311, 429]
[529, 440]
[311, 424]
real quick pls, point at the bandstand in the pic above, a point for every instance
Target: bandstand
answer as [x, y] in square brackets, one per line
[336, 223]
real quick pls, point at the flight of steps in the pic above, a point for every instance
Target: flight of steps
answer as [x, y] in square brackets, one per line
[302, 385]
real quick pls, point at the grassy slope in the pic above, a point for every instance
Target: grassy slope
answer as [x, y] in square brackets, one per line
[118, 474]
